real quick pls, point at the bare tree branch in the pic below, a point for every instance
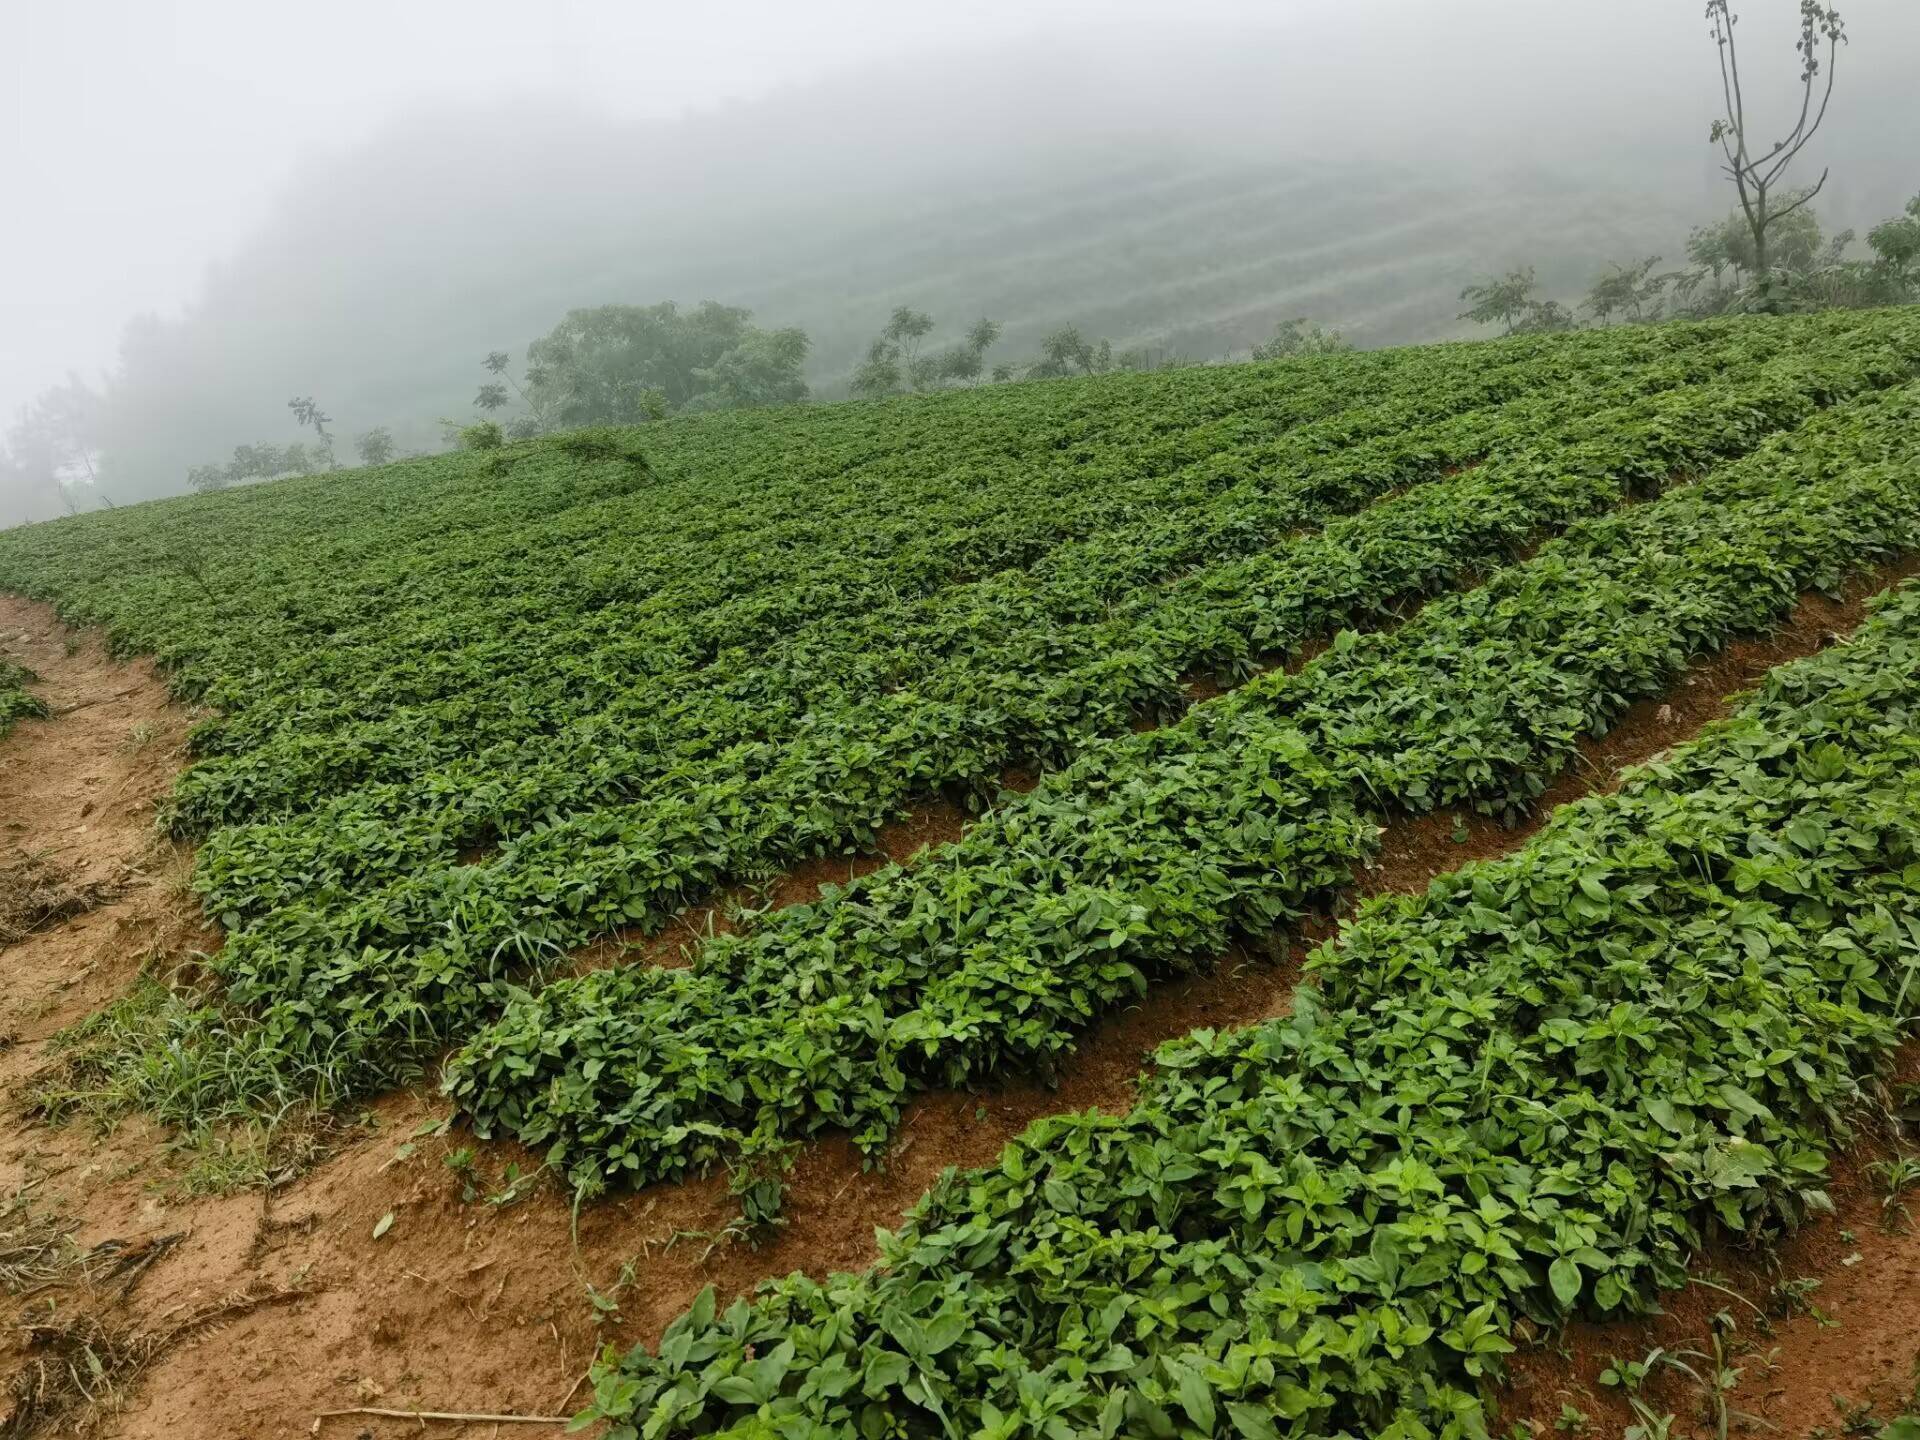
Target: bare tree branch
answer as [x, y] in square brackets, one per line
[1754, 178]
[1733, 62]
[1726, 80]
[1806, 90]
[1782, 213]
[1833, 61]
[1735, 104]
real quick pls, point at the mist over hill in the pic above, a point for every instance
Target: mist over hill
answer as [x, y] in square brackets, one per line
[1181, 190]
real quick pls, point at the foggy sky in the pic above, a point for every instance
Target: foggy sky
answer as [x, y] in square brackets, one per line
[143, 139]
[146, 140]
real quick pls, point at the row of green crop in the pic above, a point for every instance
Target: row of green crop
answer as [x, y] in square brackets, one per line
[743, 505]
[16, 701]
[1145, 857]
[1022, 674]
[1026, 692]
[377, 975]
[1012, 497]
[686, 682]
[1533, 1092]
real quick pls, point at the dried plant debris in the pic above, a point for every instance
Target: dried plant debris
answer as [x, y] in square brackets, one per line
[80, 1367]
[34, 895]
[36, 1245]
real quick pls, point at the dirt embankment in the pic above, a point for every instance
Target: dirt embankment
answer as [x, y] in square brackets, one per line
[401, 1272]
[86, 884]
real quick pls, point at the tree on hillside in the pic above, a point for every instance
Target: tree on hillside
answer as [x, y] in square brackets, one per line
[905, 330]
[51, 448]
[1067, 352]
[879, 374]
[306, 413]
[263, 461]
[895, 362]
[893, 359]
[1510, 301]
[1896, 245]
[1632, 292]
[964, 363]
[494, 394]
[1794, 244]
[628, 364]
[1300, 336]
[1716, 252]
[1755, 176]
[763, 368]
[375, 447]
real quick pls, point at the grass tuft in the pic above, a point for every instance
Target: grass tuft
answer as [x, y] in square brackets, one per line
[246, 1115]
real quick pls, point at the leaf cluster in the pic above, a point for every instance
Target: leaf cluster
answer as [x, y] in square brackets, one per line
[17, 702]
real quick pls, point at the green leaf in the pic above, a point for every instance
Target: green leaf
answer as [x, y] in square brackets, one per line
[700, 1313]
[736, 1390]
[1564, 1276]
[884, 1371]
[1251, 1422]
[945, 1328]
[1196, 1398]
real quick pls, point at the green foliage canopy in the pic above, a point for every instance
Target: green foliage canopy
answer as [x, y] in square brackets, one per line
[628, 364]
[1300, 336]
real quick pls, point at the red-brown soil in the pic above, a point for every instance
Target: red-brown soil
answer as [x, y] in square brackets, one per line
[77, 797]
[470, 1305]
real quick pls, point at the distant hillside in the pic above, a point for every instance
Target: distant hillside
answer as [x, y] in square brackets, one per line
[1173, 252]
[1182, 194]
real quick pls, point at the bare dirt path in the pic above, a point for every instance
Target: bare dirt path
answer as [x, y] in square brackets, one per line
[77, 797]
[399, 1272]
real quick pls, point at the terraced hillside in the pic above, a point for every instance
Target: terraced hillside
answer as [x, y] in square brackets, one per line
[1183, 647]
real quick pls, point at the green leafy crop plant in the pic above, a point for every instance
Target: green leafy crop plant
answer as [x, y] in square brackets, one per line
[756, 807]
[17, 702]
[477, 710]
[1533, 1092]
[1146, 856]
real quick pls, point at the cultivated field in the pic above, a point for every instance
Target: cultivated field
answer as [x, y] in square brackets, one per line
[690, 801]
